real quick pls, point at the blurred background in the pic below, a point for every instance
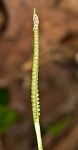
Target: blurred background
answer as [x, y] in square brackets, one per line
[58, 75]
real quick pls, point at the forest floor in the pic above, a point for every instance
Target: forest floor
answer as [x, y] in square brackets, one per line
[58, 75]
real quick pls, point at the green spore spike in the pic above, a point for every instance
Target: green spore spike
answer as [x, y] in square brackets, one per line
[34, 82]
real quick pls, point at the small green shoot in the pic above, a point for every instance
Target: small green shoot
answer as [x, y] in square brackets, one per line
[56, 128]
[4, 96]
[7, 118]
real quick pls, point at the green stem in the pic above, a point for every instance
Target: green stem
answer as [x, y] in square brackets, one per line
[38, 135]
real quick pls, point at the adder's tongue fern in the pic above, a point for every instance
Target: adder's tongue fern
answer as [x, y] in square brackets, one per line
[34, 84]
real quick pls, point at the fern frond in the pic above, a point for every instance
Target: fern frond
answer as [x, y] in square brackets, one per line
[35, 68]
[34, 84]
